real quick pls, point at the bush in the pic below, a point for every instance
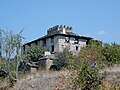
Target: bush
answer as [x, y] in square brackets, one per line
[85, 69]
[63, 59]
[111, 53]
[87, 77]
[93, 54]
[34, 53]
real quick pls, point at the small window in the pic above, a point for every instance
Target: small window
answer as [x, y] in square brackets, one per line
[67, 40]
[52, 48]
[44, 41]
[24, 48]
[76, 41]
[77, 48]
[52, 39]
[29, 45]
[36, 43]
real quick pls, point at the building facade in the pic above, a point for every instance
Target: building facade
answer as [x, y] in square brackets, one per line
[58, 38]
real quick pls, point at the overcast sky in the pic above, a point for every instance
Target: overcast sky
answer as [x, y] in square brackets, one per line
[99, 19]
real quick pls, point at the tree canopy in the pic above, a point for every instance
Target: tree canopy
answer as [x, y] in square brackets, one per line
[34, 53]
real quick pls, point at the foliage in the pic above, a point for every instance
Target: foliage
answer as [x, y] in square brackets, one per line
[86, 65]
[93, 54]
[108, 54]
[11, 46]
[1, 63]
[63, 58]
[111, 53]
[34, 53]
[95, 43]
[18, 46]
[87, 77]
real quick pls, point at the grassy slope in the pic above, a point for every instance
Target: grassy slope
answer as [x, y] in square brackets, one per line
[42, 80]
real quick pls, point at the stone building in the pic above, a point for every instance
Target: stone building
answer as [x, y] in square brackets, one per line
[58, 38]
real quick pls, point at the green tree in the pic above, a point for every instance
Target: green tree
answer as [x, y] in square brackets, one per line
[95, 43]
[35, 52]
[111, 53]
[63, 58]
[86, 76]
[85, 68]
[93, 53]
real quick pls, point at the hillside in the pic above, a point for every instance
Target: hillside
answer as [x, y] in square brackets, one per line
[51, 80]
[43, 80]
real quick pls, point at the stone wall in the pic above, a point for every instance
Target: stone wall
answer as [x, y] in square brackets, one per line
[71, 44]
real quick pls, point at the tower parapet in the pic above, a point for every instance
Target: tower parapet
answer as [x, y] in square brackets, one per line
[59, 29]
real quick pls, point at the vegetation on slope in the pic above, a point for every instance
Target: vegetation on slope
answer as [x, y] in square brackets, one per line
[84, 67]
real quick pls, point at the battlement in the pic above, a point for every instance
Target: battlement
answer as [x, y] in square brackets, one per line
[61, 29]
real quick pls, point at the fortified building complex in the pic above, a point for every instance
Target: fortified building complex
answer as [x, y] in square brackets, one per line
[59, 38]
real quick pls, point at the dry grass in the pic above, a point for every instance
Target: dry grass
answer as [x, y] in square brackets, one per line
[110, 85]
[65, 83]
[4, 84]
[42, 80]
[58, 80]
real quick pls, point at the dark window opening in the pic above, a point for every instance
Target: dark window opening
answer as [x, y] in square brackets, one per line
[29, 45]
[52, 39]
[44, 42]
[53, 67]
[77, 48]
[36, 43]
[52, 48]
[67, 40]
[87, 42]
[23, 48]
[76, 41]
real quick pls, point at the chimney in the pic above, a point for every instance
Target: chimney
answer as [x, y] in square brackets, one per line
[64, 31]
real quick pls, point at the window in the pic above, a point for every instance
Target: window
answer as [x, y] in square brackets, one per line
[67, 40]
[52, 48]
[77, 48]
[29, 45]
[52, 39]
[24, 48]
[44, 42]
[36, 43]
[76, 41]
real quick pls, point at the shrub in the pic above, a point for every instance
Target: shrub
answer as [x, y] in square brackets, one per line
[111, 53]
[87, 77]
[34, 53]
[85, 69]
[63, 59]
